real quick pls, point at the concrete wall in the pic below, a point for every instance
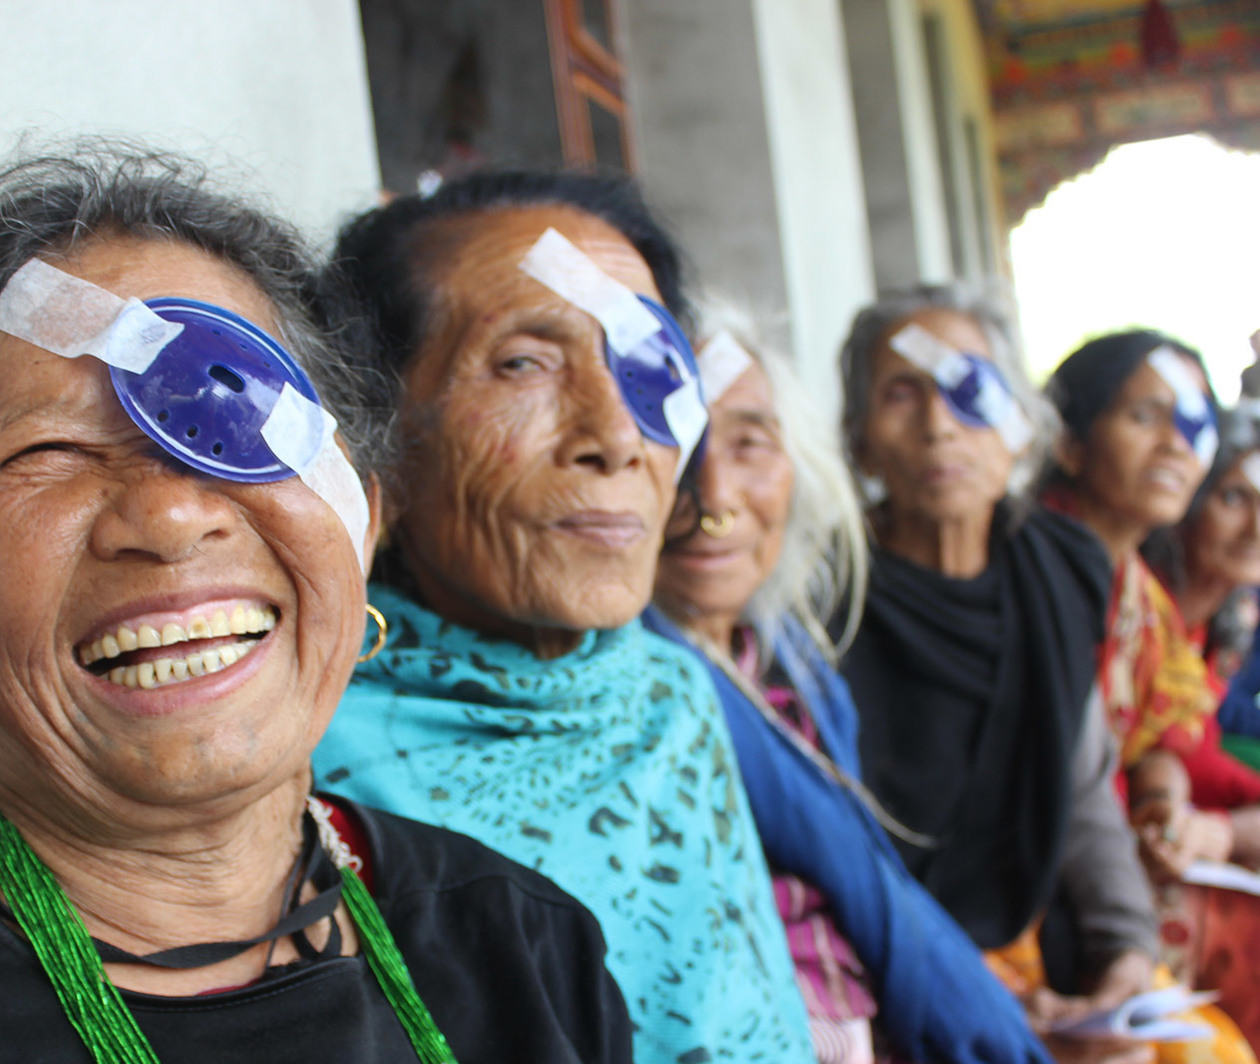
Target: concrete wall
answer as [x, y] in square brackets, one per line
[703, 150]
[893, 101]
[746, 141]
[278, 88]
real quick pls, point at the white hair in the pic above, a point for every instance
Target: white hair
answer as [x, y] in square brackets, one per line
[822, 567]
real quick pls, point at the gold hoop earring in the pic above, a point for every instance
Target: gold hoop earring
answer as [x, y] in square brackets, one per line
[717, 526]
[382, 629]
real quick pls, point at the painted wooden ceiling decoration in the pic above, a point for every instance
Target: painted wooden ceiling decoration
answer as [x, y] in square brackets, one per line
[1070, 79]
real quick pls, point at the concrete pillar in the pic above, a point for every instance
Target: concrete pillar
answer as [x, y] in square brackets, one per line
[703, 151]
[746, 141]
[892, 97]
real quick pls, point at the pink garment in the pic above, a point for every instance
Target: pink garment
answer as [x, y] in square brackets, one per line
[830, 977]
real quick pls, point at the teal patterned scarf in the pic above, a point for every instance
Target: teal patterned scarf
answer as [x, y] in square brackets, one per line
[609, 770]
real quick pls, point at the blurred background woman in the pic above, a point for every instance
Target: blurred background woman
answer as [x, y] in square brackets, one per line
[757, 556]
[974, 662]
[1142, 436]
[518, 698]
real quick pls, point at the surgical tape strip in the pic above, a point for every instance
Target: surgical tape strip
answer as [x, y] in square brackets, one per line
[71, 317]
[1250, 467]
[560, 265]
[1189, 398]
[563, 268]
[722, 361]
[323, 468]
[949, 368]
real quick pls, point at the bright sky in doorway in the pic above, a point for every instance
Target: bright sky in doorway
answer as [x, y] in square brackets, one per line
[1164, 233]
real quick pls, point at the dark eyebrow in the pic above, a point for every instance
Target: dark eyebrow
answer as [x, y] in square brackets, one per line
[757, 418]
[557, 324]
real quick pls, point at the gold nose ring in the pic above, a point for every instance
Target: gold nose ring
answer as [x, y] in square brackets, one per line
[718, 526]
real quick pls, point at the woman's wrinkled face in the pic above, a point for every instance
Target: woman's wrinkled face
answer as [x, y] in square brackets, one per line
[166, 639]
[745, 485]
[1134, 465]
[934, 468]
[1222, 541]
[535, 502]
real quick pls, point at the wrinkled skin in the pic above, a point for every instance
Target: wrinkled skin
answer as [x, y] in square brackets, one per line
[1135, 472]
[943, 478]
[705, 582]
[96, 523]
[536, 508]
[168, 815]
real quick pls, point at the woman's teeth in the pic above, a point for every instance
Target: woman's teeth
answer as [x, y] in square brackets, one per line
[242, 620]
[175, 670]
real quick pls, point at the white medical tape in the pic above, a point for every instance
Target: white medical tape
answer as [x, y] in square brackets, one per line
[564, 268]
[568, 272]
[949, 368]
[722, 361]
[319, 463]
[1250, 467]
[687, 417]
[72, 317]
[1189, 398]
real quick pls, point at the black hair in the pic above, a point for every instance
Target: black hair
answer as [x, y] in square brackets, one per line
[377, 252]
[1090, 378]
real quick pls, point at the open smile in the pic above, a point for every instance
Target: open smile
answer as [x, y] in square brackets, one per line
[159, 650]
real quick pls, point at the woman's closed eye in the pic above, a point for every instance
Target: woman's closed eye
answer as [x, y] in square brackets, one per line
[46, 450]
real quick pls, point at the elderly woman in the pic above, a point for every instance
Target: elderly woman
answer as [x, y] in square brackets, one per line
[548, 403]
[184, 538]
[973, 665]
[759, 554]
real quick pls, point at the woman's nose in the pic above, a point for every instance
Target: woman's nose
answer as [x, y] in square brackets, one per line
[717, 488]
[603, 432]
[938, 419]
[156, 510]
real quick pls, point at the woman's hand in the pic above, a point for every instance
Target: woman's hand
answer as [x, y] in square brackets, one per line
[1246, 826]
[1128, 974]
[1171, 832]
[1046, 1008]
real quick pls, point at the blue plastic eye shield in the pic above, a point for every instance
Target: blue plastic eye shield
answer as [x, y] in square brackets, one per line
[978, 394]
[1197, 425]
[208, 393]
[652, 371]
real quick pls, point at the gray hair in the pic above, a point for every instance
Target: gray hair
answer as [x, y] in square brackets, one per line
[823, 565]
[872, 327]
[53, 202]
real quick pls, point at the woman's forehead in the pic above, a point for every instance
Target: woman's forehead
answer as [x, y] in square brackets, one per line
[960, 331]
[143, 268]
[484, 251]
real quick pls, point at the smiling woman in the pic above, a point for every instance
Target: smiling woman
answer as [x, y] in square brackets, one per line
[548, 402]
[184, 532]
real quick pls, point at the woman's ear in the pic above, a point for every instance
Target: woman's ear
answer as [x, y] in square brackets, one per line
[1069, 453]
[376, 506]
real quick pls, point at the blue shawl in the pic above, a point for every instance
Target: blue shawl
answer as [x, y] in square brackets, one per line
[609, 770]
[937, 1000]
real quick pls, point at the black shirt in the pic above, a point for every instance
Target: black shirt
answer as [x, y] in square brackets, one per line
[510, 967]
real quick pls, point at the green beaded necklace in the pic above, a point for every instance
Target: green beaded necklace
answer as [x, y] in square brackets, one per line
[96, 1009]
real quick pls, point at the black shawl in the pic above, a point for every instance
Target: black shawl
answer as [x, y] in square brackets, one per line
[970, 694]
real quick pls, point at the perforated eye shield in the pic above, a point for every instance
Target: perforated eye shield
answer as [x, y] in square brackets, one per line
[208, 386]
